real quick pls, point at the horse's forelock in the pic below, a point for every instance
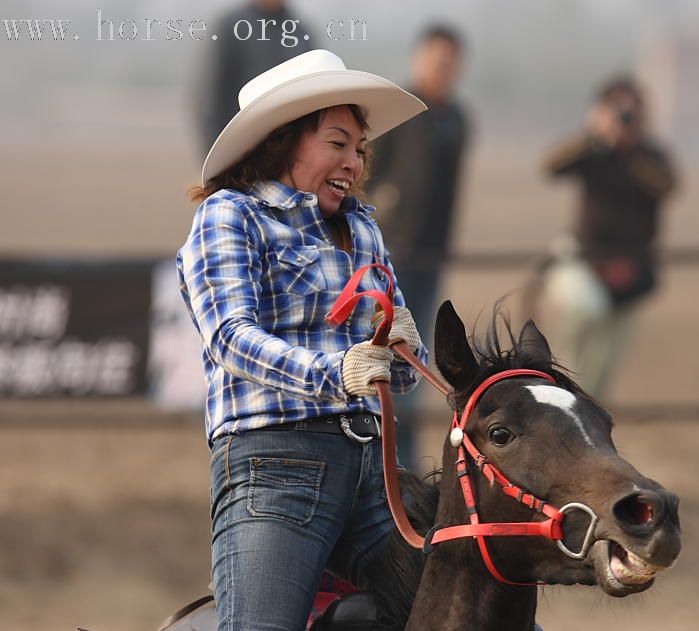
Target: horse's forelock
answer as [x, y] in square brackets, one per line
[494, 357]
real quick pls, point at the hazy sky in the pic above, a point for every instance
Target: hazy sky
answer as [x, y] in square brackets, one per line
[533, 68]
[534, 63]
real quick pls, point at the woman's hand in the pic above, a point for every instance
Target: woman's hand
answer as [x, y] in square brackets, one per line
[403, 328]
[364, 363]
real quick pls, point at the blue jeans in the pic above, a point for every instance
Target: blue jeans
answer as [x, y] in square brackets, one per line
[284, 506]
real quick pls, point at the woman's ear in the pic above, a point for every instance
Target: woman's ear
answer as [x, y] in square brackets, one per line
[454, 356]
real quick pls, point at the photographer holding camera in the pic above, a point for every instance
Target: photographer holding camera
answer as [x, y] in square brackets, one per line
[599, 276]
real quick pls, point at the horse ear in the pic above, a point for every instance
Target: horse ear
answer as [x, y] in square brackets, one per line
[453, 354]
[533, 343]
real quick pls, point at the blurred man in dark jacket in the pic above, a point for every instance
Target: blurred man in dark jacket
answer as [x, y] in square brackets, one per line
[624, 178]
[415, 176]
[415, 172]
[249, 40]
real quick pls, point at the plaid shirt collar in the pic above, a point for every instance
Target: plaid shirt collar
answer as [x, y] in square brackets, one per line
[278, 195]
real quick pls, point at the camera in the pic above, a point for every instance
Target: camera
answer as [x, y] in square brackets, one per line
[626, 116]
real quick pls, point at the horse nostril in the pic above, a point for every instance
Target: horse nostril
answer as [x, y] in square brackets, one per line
[638, 509]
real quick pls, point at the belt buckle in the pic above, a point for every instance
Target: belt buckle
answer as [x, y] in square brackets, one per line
[377, 422]
[345, 423]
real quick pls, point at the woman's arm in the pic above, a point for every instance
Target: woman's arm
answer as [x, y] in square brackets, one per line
[221, 269]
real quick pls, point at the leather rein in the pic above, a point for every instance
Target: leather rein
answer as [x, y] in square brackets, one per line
[550, 528]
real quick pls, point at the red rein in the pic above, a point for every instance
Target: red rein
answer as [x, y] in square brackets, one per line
[549, 528]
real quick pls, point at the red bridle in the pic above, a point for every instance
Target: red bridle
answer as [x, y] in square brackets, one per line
[550, 528]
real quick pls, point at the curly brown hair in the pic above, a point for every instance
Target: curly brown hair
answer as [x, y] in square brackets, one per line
[274, 156]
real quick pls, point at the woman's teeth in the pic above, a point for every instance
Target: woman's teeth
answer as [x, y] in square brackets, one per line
[339, 185]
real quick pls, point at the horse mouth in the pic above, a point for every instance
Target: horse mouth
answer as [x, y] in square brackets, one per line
[620, 571]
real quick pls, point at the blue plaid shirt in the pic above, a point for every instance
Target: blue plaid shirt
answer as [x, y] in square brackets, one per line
[258, 273]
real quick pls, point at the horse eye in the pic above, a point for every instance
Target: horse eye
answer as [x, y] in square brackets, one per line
[500, 435]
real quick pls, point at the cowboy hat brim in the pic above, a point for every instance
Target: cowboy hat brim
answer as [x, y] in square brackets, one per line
[386, 104]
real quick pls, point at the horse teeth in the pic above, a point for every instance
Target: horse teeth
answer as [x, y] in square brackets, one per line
[629, 568]
[637, 564]
[625, 575]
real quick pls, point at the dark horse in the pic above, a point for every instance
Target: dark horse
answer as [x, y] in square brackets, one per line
[553, 441]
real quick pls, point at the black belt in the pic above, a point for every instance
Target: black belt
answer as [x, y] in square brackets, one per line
[361, 426]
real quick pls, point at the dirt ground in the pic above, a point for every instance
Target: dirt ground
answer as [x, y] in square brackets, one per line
[106, 528]
[104, 508]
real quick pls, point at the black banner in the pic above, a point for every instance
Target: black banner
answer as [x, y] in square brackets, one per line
[74, 328]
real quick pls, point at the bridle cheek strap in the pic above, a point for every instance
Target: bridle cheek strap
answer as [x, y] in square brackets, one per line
[549, 528]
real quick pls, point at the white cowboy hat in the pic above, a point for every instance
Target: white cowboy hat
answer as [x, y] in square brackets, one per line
[299, 86]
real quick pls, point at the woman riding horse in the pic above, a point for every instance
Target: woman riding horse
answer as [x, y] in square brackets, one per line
[291, 413]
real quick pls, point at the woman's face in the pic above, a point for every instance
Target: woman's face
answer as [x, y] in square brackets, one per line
[330, 159]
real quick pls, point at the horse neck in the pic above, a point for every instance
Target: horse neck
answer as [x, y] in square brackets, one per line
[457, 592]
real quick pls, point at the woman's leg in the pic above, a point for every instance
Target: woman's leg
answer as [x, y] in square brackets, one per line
[369, 525]
[280, 500]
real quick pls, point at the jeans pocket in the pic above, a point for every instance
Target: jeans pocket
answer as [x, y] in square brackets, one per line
[285, 489]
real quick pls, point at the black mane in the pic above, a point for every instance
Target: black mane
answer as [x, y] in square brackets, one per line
[493, 358]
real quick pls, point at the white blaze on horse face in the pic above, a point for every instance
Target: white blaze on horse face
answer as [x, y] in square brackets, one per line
[552, 395]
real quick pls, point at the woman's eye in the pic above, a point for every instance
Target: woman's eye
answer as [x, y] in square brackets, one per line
[361, 153]
[500, 435]
[337, 143]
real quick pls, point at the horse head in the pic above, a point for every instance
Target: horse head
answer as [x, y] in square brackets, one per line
[555, 442]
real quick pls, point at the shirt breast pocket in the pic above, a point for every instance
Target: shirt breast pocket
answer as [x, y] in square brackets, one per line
[299, 270]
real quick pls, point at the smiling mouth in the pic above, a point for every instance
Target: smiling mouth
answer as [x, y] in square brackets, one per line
[338, 186]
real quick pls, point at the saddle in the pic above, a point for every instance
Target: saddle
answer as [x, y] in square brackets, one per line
[351, 612]
[332, 611]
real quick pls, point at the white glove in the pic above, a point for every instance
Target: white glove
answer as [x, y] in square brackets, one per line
[403, 328]
[363, 363]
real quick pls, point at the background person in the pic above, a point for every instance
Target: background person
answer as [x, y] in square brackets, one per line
[233, 60]
[415, 173]
[277, 236]
[610, 264]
